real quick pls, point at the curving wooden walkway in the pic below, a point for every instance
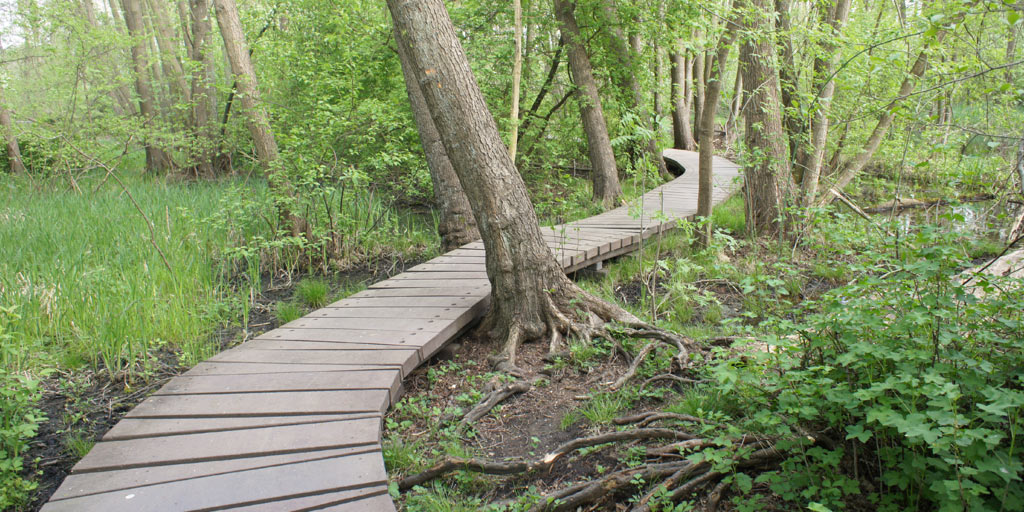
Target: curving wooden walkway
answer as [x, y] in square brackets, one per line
[291, 420]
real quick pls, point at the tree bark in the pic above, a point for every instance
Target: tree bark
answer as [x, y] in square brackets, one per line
[699, 91]
[17, 166]
[599, 145]
[203, 89]
[767, 177]
[682, 132]
[706, 140]
[788, 75]
[157, 160]
[517, 75]
[457, 227]
[530, 294]
[824, 67]
[734, 110]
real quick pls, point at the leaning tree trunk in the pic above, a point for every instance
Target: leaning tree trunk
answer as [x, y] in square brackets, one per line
[824, 68]
[531, 296]
[599, 145]
[203, 89]
[13, 149]
[706, 138]
[767, 177]
[173, 69]
[248, 95]
[157, 160]
[457, 226]
[682, 132]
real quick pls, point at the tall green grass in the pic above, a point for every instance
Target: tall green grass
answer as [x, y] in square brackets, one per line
[89, 285]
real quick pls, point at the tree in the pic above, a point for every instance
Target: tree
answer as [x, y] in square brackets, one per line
[599, 144]
[531, 296]
[682, 73]
[13, 149]
[626, 75]
[706, 132]
[249, 96]
[767, 175]
[457, 226]
[157, 160]
[517, 75]
[203, 92]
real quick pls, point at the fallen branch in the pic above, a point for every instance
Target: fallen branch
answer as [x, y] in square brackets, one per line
[904, 204]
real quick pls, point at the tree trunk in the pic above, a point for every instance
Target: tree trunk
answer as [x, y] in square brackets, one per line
[682, 133]
[17, 166]
[599, 145]
[824, 67]
[457, 227]
[788, 75]
[173, 70]
[699, 92]
[531, 297]
[767, 177]
[853, 166]
[706, 138]
[734, 110]
[249, 97]
[517, 75]
[1011, 43]
[626, 78]
[157, 160]
[203, 89]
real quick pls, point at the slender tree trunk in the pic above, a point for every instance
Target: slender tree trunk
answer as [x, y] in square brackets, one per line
[17, 166]
[173, 70]
[157, 160]
[517, 74]
[248, 94]
[531, 297]
[119, 95]
[544, 89]
[824, 67]
[457, 227]
[599, 145]
[734, 110]
[626, 78]
[788, 75]
[682, 133]
[767, 178]
[699, 92]
[203, 90]
[706, 139]
[1011, 43]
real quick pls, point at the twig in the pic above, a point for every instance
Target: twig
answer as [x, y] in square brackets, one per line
[645, 419]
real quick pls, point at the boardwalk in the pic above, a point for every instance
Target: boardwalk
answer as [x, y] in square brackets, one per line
[291, 420]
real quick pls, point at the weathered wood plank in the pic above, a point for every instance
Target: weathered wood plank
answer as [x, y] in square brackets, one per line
[263, 404]
[137, 428]
[211, 446]
[250, 487]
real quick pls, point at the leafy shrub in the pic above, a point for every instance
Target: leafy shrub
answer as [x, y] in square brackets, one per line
[914, 370]
[19, 422]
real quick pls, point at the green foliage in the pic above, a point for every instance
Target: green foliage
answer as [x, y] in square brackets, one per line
[287, 312]
[19, 418]
[914, 368]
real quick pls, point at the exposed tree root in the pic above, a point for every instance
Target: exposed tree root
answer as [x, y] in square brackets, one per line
[493, 399]
[644, 419]
[634, 366]
[507, 468]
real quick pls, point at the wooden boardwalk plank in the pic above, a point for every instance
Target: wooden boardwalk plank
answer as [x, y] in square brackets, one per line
[83, 484]
[252, 487]
[136, 428]
[214, 446]
[263, 404]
